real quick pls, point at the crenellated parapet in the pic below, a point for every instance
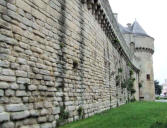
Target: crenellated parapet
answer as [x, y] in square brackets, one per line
[105, 17]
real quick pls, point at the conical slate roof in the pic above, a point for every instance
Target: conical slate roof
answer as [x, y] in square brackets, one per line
[135, 29]
[138, 30]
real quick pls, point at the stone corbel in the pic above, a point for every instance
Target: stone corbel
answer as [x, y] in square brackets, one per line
[103, 21]
[90, 4]
[97, 12]
[94, 7]
[106, 26]
[107, 29]
[100, 17]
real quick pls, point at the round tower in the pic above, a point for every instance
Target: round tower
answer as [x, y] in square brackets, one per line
[144, 49]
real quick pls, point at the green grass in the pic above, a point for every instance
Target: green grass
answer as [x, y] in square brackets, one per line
[133, 115]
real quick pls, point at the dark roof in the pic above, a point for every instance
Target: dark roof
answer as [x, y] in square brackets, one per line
[135, 29]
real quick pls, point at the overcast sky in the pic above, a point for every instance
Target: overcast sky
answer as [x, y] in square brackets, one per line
[152, 16]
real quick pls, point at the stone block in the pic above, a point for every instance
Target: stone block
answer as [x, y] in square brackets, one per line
[21, 93]
[3, 2]
[15, 66]
[21, 61]
[7, 78]
[8, 125]
[21, 80]
[34, 113]
[39, 105]
[1, 93]
[20, 115]
[8, 40]
[4, 64]
[32, 87]
[56, 110]
[4, 116]
[21, 73]
[1, 109]
[44, 112]
[15, 107]
[7, 72]
[4, 85]
[71, 108]
[23, 5]
[9, 92]
[11, 7]
[42, 119]
[46, 125]
[14, 86]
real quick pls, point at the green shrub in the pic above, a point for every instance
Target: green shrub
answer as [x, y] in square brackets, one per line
[63, 114]
[140, 85]
[133, 99]
[80, 112]
[158, 98]
[131, 72]
[133, 91]
[120, 70]
[75, 64]
[61, 45]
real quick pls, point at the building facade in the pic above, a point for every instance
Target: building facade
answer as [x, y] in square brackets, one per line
[64, 60]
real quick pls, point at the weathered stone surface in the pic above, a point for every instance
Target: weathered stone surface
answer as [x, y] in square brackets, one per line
[15, 107]
[1, 93]
[21, 4]
[4, 116]
[53, 56]
[21, 80]
[9, 92]
[56, 110]
[31, 126]
[8, 125]
[44, 112]
[1, 109]
[34, 113]
[21, 93]
[4, 85]
[4, 63]
[19, 115]
[21, 61]
[7, 78]
[32, 87]
[7, 40]
[8, 72]
[3, 2]
[42, 119]
[46, 125]
[14, 86]
[11, 6]
[21, 73]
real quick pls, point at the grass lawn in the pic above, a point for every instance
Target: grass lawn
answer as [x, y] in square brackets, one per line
[133, 115]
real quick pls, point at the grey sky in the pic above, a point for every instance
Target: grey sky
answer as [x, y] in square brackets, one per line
[151, 14]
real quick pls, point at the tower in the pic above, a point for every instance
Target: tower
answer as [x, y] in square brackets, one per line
[144, 49]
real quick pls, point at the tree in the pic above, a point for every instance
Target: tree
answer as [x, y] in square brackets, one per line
[158, 88]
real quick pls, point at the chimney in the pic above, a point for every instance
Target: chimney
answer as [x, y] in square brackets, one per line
[116, 16]
[129, 25]
[132, 47]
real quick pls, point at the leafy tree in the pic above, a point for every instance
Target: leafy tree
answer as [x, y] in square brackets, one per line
[158, 88]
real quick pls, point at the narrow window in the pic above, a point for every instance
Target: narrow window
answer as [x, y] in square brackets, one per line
[148, 76]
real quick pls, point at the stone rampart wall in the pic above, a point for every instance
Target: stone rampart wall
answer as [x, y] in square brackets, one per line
[56, 64]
